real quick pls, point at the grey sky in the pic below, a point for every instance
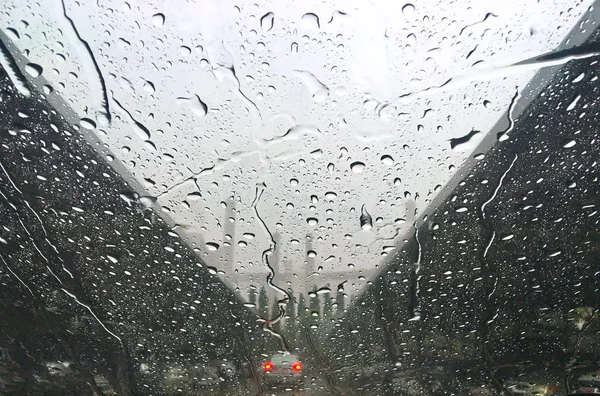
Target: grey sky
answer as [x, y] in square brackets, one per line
[293, 105]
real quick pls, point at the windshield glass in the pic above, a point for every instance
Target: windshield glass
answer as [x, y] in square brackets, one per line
[383, 197]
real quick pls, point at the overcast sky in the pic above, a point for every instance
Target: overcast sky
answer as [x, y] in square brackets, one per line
[297, 112]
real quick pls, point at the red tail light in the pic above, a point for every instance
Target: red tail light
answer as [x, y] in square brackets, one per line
[297, 367]
[269, 366]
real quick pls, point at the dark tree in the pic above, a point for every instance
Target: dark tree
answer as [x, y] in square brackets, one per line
[341, 303]
[315, 303]
[302, 314]
[263, 303]
[252, 294]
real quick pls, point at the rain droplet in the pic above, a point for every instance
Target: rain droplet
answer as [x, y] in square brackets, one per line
[212, 270]
[569, 143]
[311, 221]
[573, 103]
[366, 221]
[387, 160]
[578, 78]
[555, 253]
[87, 123]
[461, 209]
[149, 86]
[408, 9]
[357, 167]
[310, 21]
[12, 33]
[198, 106]
[158, 20]
[150, 145]
[184, 50]
[194, 196]
[33, 69]
[465, 142]
[249, 235]
[311, 253]
[146, 202]
[318, 90]
[266, 22]
[212, 246]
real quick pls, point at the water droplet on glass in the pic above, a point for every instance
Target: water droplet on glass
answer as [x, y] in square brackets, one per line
[212, 246]
[249, 235]
[408, 9]
[266, 22]
[318, 90]
[311, 221]
[158, 20]
[146, 202]
[310, 21]
[194, 196]
[357, 167]
[212, 270]
[465, 142]
[149, 86]
[387, 160]
[569, 143]
[87, 123]
[578, 78]
[184, 50]
[316, 153]
[573, 103]
[12, 33]
[311, 253]
[33, 69]
[366, 221]
[198, 106]
[150, 145]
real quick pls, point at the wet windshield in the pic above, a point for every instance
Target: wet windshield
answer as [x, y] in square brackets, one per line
[350, 198]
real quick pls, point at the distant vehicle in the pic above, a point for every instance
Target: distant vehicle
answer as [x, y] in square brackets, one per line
[586, 390]
[283, 369]
[530, 388]
[589, 383]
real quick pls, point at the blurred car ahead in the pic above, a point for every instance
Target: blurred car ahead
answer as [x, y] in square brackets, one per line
[283, 370]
